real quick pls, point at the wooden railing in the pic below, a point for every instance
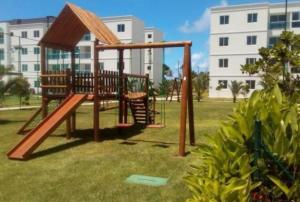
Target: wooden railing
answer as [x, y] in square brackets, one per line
[60, 83]
[56, 83]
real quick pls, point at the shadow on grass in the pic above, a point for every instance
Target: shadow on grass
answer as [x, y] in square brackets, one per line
[59, 148]
[4, 121]
[84, 136]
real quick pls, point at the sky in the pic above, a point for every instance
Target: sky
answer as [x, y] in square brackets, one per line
[177, 19]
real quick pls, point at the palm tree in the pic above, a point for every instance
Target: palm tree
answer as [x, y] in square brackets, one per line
[236, 88]
[200, 84]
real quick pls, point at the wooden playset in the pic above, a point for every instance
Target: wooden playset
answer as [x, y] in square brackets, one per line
[74, 88]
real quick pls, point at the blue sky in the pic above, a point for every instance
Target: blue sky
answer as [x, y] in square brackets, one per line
[178, 19]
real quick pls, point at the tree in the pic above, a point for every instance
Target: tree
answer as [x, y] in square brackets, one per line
[164, 87]
[4, 86]
[277, 63]
[167, 72]
[200, 84]
[236, 88]
[19, 86]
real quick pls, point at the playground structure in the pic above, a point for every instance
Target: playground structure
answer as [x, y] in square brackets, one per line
[75, 88]
[174, 87]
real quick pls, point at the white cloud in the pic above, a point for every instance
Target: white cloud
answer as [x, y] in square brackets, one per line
[201, 24]
[199, 61]
[198, 25]
[196, 58]
[224, 3]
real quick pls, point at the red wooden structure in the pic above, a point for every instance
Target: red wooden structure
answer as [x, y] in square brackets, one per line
[66, 31]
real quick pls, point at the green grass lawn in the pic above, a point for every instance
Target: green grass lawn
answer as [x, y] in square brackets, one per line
[82, 170]
[14, 101]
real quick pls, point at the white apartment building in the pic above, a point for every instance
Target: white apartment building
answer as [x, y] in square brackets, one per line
[153, 56]
[19, 38]
[236, 34]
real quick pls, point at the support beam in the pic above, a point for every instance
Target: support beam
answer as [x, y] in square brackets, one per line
[121, 84]
[145, 45]
[190, 100]
[96, 92]
[184, 99]
[68, 91]
[43, 82]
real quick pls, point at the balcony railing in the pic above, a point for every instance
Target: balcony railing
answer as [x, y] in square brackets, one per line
[278, 25]
[83, 55]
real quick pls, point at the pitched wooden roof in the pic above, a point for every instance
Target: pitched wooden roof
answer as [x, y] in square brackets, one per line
[70, 26]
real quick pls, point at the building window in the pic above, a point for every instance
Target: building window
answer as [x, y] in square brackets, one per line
[86, 37]
[251, 40]
[296, 19]
[223, 63]
[273, 41]
[295, 70]
[85, 52]
[277, 22]
[149, 36]
[222, 84]
[36, 67]
[24, 67]
[77, 67]
[37, 84]
[64, 66]
[64, 54]
[224, 19]
[36, 50]
[24, 34]
[53, 54]
[121, 27]
[101, 65]
[149, 67]
[252, 17]
[1, 38]
[223, 41]
[250, 61]
[11, 34]
[86, 68]
[1, 54]
[36, 33]
[55, 67]
[24, 51]
[251, 84]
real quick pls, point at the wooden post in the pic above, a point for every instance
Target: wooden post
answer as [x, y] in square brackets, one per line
[44, 90]
[190, 99]
[68, 91]
[121, 84]
[147, 98]
[96, 92]
[184, 99]
[126, 103]
[73, 71]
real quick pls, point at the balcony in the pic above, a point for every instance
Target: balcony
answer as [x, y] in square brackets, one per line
[83, 55]
[278, 25]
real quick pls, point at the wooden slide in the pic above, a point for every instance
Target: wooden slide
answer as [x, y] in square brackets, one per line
[36, 136]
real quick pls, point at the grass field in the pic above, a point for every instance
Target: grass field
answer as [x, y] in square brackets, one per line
[13, 101]
[82, 170]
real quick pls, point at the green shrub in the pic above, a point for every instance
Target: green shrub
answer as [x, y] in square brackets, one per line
[229, 168]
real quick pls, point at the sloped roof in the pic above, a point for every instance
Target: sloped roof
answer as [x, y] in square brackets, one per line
[70, 26]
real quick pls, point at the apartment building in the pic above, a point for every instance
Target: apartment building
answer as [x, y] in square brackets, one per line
[153, 56]
[236, 34]
[19, 38]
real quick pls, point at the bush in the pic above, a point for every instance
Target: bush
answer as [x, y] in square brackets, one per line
[232, 168]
